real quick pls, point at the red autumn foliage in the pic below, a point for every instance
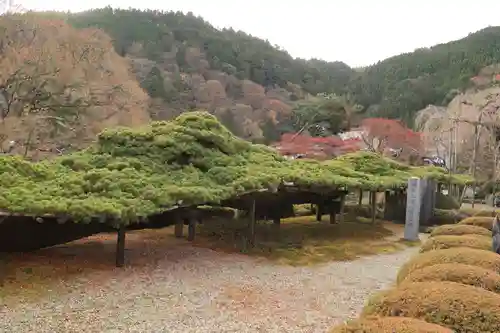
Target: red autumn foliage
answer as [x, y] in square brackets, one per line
[381, 134]
[315, 147]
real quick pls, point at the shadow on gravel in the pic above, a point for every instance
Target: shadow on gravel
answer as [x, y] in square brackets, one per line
[86, 261]
[90, 262]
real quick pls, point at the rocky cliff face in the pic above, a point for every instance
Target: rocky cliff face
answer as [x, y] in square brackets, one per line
[453, 128]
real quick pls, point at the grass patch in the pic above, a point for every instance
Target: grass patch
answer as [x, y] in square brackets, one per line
[303, 210]
[304, 241]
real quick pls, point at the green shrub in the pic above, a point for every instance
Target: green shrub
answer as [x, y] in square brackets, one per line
[486, 213]
[443, 216]
[462, 308]
[457, 255]
[451, 241]
[389, 325]
[460, 273]
[460, 229]
[478, 212]
[446, 202]
[362, 211]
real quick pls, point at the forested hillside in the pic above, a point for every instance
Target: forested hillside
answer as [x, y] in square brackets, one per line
[396, 87]
[232, 52]
[401, 85]
[184, 63]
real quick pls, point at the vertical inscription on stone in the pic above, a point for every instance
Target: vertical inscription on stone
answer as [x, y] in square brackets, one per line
[413, 205]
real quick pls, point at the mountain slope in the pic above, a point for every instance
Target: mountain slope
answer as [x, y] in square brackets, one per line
[406, 83]
[233, 52]
[184, 44]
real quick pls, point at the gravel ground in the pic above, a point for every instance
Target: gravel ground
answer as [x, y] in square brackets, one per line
[193, 289]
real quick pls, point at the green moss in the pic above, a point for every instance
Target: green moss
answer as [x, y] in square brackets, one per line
[132, 173]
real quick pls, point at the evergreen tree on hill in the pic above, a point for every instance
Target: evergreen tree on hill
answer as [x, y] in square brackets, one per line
[396, 87]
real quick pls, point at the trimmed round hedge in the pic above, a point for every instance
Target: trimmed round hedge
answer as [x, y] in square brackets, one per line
[478, 212]
[446, 201]
[459, 229]
[450, 241]
[457, 255]
[460, 273]
[462, 308]
[389, 325]
[445, 216]
[485, 213]
[480, 221]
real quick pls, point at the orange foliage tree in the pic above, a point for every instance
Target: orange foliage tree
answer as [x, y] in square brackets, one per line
[59, 85]
[381, 135]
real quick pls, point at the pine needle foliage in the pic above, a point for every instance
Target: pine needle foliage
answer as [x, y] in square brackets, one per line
[129, 174]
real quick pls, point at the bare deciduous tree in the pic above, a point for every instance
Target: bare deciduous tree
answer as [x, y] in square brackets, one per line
[59, 84]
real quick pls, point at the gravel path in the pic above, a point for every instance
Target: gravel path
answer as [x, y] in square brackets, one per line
[193, 289]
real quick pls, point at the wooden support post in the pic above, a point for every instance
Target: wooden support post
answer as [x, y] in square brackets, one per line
[342, 208]
[120, 247]
[319, 211]
[179, 227]
[191, 229]
[388, 202]
[373, 200]
[360, 199]
[276, 224]
[277, 221]
[333, 216]
[3, 268]
[252, 224]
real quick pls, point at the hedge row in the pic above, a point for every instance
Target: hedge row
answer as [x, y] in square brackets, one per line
[452, 216]
[450, 241]
[459, 229]
[480, 221]
[390, 325]
[479, 258]
[453, 283]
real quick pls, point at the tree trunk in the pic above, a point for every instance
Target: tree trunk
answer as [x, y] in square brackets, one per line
[373, 197]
